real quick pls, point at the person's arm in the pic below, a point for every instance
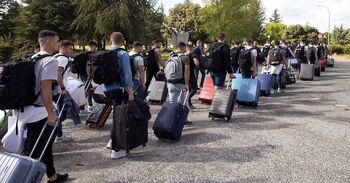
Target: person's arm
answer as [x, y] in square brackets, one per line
[196, 62]
[46, 95]
[63, 62]
[226, 50]
[187, 77]
[254, 62]
[159, 57]
[126, 69]
[88, 69]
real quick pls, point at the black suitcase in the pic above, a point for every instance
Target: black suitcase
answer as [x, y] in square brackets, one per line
[99, 115]
[222, 104]
[131, 129]
[171, 119]
[158, 92]
[317, 69]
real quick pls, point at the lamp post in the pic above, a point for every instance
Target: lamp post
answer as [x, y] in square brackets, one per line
[329, 21]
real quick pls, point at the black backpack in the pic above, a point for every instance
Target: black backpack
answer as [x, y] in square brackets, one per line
[133, 67]
[212, 54]
[265, 51]
[149, 58]
[300, 53]
[105, 67]
[17, 83]
[79, 63]
[234, 54]
[312, 56]
[276, 56]
[245, 59]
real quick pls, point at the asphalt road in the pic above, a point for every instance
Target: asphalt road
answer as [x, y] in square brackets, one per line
[301, 135]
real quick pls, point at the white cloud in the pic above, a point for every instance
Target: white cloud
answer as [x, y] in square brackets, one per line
[300, 11]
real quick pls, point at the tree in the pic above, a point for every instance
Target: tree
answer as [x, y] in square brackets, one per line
[276, 31]
[238, 18]
[340, 35]
[276, 17]
[8, 13]
[311, 33]
[294, 33]
[38, 15]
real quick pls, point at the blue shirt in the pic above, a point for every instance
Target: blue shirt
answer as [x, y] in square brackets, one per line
[125, 74]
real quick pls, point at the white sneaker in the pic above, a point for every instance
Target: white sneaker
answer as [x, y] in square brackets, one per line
[109, 144]
[118, 154]
[279, 90]
[64, 138]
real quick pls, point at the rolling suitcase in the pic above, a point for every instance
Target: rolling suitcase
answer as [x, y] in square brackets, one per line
[222, 104]
[330, 62]
[292, 79]
[131, 130]
[307, 72]
[249, 92]
[208, 91]
[236, 83]
[99, 115]
[24, 169]
[171, 119]
[158, 92]
[265, 84]
[317, 69]
[323, 64]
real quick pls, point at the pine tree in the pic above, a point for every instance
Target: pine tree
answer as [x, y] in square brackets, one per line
[276, 17]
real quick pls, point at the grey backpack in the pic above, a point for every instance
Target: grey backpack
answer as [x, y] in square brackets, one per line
[174, 69]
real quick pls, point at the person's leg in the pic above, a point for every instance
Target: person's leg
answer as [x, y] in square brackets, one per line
[59, 131]
[202, 71]
[90, 92]
[150, 73]
[274, 81]
[193, 91]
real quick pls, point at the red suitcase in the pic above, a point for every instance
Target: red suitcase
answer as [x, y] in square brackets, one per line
[208, 91]
[323, 64]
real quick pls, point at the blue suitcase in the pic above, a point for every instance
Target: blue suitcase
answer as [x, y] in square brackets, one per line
[171, 120]
[265, 84]
[236, 83]
[249, 92]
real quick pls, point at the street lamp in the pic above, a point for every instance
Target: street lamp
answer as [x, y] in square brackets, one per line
[329, 21]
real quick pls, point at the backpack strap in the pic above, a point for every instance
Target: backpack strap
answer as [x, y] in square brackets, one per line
[65, 68]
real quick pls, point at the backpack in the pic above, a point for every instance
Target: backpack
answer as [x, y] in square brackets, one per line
[312, 56]
[106, 67]
[17, 83]
[133, 66]
[149, 58]
[265, 51]
[245, 59]
[260, 58]
[174, 69]
[276, 56]
[79, 63]
[212, 54]
[300, 53]
[234, 54]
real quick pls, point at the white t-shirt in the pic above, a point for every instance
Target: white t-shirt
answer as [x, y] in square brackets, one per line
[63, 62]
[138, 61]
[45, 69]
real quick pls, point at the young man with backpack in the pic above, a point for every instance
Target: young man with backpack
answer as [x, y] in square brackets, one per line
[152, 61]
[194, 63]
[301, 54]
[138, 70]
[90, 90]
[177, 72]
[121, 90]
[312, 53]
[42, 110]
[277, 60]
[247, 60]
[65, 51]
[198, 50]
[234, 53]
[219, 62]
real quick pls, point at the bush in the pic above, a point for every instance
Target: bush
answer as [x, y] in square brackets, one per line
[6, 48]
[337, 49]
[347, 49]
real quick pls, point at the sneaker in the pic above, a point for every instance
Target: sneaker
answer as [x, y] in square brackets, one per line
[60, 178]
[63, 138]
[188, 123]
[118, 154]
[109, 145]
[192, 107]
[279, 90]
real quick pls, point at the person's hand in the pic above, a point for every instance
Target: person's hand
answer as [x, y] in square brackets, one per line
[143, 88]
[51, 118]
[64, 92]
[185, 88]
[131, 97]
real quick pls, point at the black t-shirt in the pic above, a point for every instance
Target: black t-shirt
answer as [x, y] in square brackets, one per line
[192, 56]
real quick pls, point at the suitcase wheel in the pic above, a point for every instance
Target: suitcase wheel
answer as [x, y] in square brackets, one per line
[227, 119]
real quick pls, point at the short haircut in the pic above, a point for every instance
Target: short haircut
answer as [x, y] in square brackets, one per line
[156, 41]
[117, 37]
[180, 45]
[47, 33]
[221, 36]
[249, 41]
[237, 43]
[275, 43]
[66, 43]
[92, 43]
[137, 44]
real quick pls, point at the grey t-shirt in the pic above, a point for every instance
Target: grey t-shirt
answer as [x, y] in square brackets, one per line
[45, 69]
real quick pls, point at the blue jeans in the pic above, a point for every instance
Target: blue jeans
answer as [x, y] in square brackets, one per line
[218, 78]
[276, 80]
[174, 91]
[138, 90]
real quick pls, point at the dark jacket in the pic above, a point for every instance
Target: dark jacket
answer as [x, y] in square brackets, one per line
[222, 64]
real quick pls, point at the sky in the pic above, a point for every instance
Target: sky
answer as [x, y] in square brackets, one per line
[300, 11]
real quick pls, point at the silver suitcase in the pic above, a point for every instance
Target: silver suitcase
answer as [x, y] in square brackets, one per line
[307, 72]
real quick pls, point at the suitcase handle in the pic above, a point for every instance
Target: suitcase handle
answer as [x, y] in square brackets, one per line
[51, 135]
[186, 97]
